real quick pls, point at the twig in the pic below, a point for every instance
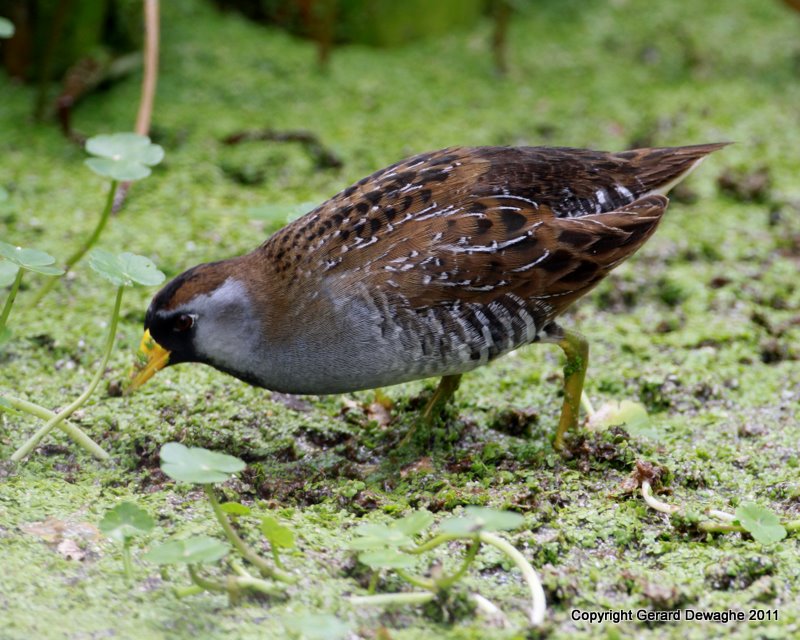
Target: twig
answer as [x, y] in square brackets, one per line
[654, 502]
[150, 78]
[149, 82]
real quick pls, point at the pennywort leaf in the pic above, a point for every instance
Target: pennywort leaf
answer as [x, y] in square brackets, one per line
[387, 559]
[125, 521]
[277, 534]
[123, 156]
[477, 519]
[379, 536]
[761, 523]
[198, 550]
[8, 272]
[235, 509]
[29, 259]
[414, 523]
[125, 269]
[399, 533]
[197, 465]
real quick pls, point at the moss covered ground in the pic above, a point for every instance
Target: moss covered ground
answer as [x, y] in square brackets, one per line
[703, 326]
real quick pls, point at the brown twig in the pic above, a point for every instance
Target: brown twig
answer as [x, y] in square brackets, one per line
[149, 82]
[150, 79]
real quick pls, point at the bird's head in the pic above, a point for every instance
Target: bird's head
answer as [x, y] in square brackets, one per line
[204, 315]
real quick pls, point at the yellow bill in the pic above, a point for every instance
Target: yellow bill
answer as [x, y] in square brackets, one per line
[155, 358]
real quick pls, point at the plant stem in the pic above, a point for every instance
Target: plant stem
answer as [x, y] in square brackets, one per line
[715, 527]
[538, 602]
[276, 557]
[415, 597]
[654, 502]
[246, 552]
[417, 581]
[126, 561]
[208, 585]
[31, 443]
[373, 581]
[191, 590]
[75, 257]
[10, 300]
[70, 429]
[472, 551]
[721, 515]
[248, 581]
[434, 542]
[251, 582]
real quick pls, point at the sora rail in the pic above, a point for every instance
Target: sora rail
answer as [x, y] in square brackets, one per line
[433, 266]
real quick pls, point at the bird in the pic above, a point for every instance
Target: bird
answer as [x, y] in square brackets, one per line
[431, 267]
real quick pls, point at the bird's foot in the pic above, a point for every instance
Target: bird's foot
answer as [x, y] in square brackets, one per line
[433, 413]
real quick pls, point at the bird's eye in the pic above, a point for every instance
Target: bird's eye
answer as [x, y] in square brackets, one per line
[183, 322]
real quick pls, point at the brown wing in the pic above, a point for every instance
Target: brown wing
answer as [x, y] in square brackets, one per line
[527, 252]
[474, 224]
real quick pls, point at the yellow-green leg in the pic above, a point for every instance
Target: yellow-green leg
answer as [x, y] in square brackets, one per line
[433, 410]
[576, 349]
[447, 387]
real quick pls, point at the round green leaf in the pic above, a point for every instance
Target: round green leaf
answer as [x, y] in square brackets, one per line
[197, 465]
[125, 521]
[123, 156]
[761, 523]
[125, 269]
[477, 519]
[305, 626]
[379, 536]
[120, 170]
[8, 273]
[414, 523]
[387, 559]
[6, 28]
[235, 508]
[199, 550]
[30, 259]
[276, 533]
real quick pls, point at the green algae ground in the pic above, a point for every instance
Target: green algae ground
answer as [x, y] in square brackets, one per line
[703, 326]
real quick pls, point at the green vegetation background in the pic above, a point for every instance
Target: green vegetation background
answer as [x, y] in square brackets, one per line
[702, 325]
